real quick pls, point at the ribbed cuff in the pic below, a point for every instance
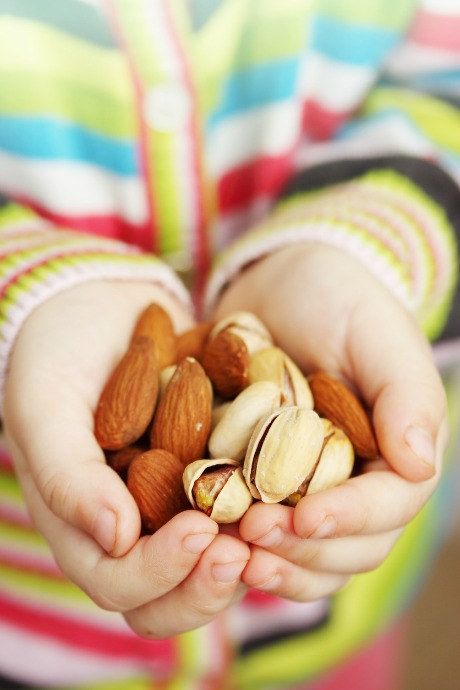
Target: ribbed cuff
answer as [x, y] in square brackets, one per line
[382, 219]
[40, 261]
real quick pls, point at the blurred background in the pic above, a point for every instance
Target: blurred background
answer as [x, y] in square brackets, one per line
[434, 648]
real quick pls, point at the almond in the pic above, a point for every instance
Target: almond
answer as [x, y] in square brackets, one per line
[155, 323]
[182, 421]
[127, 402]
[155, 482]
[335, 401]
[191, 342]
[120, 460]
[226, 361]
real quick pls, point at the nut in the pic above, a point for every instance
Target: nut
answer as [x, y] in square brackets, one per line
[155, 482]
[231, 435]
[120, 460]
[272, 364]
[246, 326]
[226, 361]
[335, 401]
[283, 449]
[128, 400]
[191, 342]
[217, 488]
[334, 466]
[182, 420]
[155, 323]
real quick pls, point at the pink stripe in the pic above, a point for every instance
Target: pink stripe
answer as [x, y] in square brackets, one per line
[437, 31]
[147, 237]
[94, 638]
[200, 247]
[29, 563]
[15, 516]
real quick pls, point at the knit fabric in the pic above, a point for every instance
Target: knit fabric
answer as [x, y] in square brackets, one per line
[148, 140]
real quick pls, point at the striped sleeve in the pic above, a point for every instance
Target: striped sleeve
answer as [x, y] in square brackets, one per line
[380, 179]
[39, 259]
[382, 218]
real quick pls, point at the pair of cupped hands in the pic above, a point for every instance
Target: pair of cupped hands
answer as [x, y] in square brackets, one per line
[327, 312]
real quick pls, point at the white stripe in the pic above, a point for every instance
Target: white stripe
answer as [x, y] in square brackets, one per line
[332, 84]
[412, 59]
[268, 131]
[49, 663]
[158, 29]
[75, 189]
[451, 7]
[392, 135]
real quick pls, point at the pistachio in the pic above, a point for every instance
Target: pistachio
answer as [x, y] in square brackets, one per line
[282, 451]
[231, 436]
[217, 488]
[246, 326]
[334, 466]
[272, 364]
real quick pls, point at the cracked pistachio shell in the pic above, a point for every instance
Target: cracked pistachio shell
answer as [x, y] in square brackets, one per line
[230, 502]
[246, 326]
[335, 463]
[273, 364]
[281, 453]
[231, 435]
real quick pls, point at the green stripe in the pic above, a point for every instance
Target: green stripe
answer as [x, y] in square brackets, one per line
[13, 213]
[76, 18]
[384, 14]
[438, 120]
[29, 584]
[9, 487]
[97, 111]
[50, 53]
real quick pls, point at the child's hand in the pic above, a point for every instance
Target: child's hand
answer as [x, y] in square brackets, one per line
[175, 580]
[328, 312]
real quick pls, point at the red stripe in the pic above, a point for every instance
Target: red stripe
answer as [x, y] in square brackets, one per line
[110, 227]
[260, 178]
[91, 637]
[321, 124]
[437, 31]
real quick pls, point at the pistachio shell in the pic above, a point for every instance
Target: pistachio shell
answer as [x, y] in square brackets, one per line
[231, 501]
[282, 451]
[273, 364]
[231, 436]
[335, 463]
[246, 326]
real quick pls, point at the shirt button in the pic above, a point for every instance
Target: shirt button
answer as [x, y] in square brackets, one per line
[167, 107]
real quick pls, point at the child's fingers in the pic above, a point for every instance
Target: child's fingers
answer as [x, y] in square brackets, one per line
[209, 590]
[154, 566]
[270, 573]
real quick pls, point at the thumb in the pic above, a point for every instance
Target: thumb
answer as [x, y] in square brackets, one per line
[392, 364]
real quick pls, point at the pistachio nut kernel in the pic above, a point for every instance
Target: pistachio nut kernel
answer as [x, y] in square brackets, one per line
[231, 435]
[283, 449]
[273, 364]
[217, 488]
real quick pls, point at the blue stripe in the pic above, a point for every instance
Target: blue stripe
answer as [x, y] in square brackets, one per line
[255, 87]
[357, 45]
[51, 139]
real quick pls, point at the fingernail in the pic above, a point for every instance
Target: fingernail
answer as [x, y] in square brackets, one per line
[105, 527]
[197, 543]
[326, 528]
[228, 572]
[272, 538]
[421, 443]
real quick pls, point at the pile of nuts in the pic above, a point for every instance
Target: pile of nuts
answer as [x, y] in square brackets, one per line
[220, 416]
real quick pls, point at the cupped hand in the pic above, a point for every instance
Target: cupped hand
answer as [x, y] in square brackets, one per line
[59, 365]
[329, 312]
